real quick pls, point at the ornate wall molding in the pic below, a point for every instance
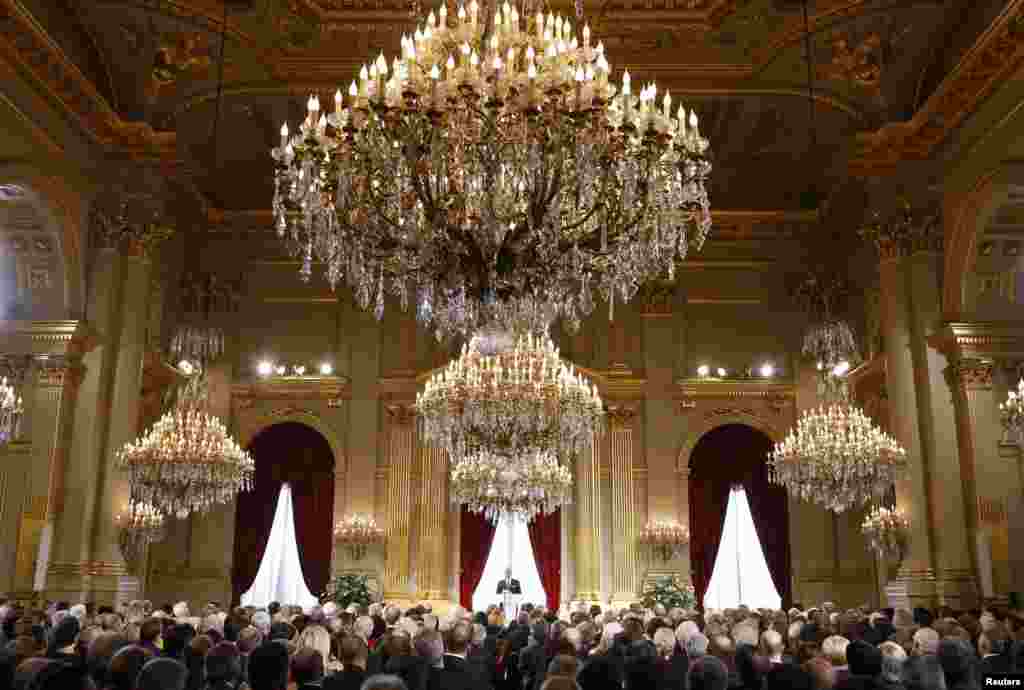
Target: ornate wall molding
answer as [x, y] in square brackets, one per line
[982, 340]
[997, 54]
[621, 417]
[59, 340]
[24, 43]
[251, 421]
[400, 413]
[970, 374]
[296, 388]
[768, 407]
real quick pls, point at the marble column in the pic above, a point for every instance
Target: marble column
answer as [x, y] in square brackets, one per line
[624, 561]
[401, 458]
[432, 524]
[588, 523]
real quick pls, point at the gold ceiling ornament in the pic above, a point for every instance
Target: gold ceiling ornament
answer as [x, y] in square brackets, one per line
[521, 486]
[356, 533]
[12, 408]
[493, 174]
[837, 457]
[665, 538]
[511, 396]
[887, 531]
[140, 525]
[187, 462]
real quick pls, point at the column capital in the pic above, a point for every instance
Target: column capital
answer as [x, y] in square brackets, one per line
[969, 374]
[59, 372]
[401, 413]
[620, 417]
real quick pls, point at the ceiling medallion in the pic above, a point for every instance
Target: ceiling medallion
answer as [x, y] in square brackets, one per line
[493, 173]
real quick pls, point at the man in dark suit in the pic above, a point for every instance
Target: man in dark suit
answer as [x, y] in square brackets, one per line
[509, 584]
[459, 673]
[353, 659]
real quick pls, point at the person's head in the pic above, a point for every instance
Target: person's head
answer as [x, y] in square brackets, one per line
[563, 665]
[391, 615]
[923, 672]
[956, 658]
[162, 674]
[926, 642]
[664, 641]
[363, 627]
[864, 659]
[353, 652]
[307, 666]
[223, 663]
[459, 638]
[574, 638]
[62, 676]
[697, 646]
[268, 667]
[65, 634]
[685, 631]
[994, 640]
[508, 572]
[772, 645]
[316, 637]
[893, 658]
[708, 673]
[249, 638]
[100, 652]
[383, 681]
[834, 649]
[150, 630]
[429, 646]
[821, 670]
[180, 610]
[125, 666]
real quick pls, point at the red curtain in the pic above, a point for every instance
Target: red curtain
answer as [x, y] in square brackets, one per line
[726, 455]
[297, 454]
[546, 540]
[476, 537]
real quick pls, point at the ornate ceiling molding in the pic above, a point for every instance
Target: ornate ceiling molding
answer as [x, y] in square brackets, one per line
[997, 54]
[25, 45]
[986, 341]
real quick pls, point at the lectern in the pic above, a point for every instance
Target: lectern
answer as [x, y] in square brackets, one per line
[510, 604]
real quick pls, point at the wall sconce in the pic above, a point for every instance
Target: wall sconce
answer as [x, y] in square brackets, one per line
[665, 538]
[138, 527]
[356, 533]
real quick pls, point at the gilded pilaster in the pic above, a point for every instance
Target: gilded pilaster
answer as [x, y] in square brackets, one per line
[432, 524]
[588, 530]
[401, 458]
[624, 560]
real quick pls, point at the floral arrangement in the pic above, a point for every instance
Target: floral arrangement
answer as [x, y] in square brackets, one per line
[664, 537]
[887, 531]
[357, 532]
[347, 589]
[670, 593]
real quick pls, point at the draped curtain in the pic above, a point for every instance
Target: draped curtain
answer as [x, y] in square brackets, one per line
[729, 454]
[297, 454]
[546, 540]
[476, 537]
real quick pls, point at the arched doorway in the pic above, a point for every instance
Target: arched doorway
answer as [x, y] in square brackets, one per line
[727, 455]
[297, 454]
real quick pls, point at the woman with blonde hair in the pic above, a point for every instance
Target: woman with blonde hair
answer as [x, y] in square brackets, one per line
[317, 637]
[834, 649]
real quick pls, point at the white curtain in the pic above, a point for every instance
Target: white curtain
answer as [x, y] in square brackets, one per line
[280, 576]
[511, 549]
[741, 574]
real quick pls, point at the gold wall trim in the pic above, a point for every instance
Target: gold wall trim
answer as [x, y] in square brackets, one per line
[90, 568]
[727, 389]
[291, 388]
[724, 300]
[53, 338]
[300, 300]
[989, 340]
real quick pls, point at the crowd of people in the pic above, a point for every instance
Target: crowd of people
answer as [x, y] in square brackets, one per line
[383, 647]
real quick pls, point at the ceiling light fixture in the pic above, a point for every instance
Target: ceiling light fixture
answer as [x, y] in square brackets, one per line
[493, 174]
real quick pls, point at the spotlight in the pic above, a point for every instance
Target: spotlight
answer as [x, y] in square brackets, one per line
[265, 368]
[703, 370]
[721, 373]
[186, 367]
[280, 370]
[768, 370]
[841, 368]
[820, 366]
[326, 369]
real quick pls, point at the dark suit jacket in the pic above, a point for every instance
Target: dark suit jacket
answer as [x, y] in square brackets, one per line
[346, 679]
[998, 663]
[675, 673]
[516, 588]
[460, 674]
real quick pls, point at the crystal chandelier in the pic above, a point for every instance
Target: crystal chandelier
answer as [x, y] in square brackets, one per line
[511, 396]
[837, 457]
[187, 462]
[665, 537]
[887, 531]
[11, 410]
[141, 525]
[493, 173]
[521, 486]
[1011, 414]
[356, 533]
[829, 340]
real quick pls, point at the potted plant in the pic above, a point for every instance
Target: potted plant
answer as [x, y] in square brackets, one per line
[670, 593]
[347, 589]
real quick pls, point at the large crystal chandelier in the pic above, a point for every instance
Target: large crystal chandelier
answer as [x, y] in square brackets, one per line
[509, 396]
[520, 486]
[829, 340]
[11, 410]
[493, 173]
[187, 462]
[1011, 414]
[836, 457]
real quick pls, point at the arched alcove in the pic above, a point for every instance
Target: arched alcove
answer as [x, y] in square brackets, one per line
[298, 454]
[736, 454]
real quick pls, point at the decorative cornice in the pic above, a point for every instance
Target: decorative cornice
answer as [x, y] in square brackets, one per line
[736, 389]
[989, 340]
[323, 388]
[621, 417]
[970, 374]
[87, 568]
[997, 54]
[657, 300]
[47, 338]
[26, 45]
[401, 414]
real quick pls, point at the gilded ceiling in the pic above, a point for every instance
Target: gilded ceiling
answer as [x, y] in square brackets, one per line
[741, 63]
